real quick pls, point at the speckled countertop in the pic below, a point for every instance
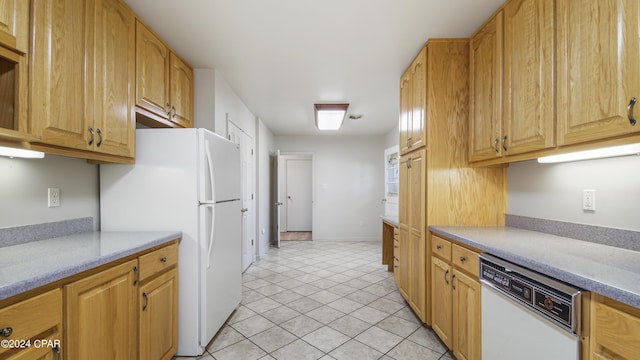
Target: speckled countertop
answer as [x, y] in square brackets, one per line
[606, 270]
[30, 265]
[393, 220]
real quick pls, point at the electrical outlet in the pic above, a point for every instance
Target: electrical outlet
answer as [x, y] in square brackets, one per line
[53, 197]
[589, 200]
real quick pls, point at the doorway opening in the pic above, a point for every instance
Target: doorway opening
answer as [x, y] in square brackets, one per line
[294, 204]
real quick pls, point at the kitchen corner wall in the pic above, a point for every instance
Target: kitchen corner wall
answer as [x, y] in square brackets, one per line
[348, 177]
[265, 146]
[23, 190]
[554, 191]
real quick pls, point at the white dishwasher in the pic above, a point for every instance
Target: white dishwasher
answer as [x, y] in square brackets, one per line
[525, 315]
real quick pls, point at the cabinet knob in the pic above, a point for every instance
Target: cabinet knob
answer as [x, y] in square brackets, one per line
[504, 142]
[446, 273]
[439, 247]
[6, 332]
[146, 301]
[163, 259]
[496, 141]
[463, 259]
[632, 120]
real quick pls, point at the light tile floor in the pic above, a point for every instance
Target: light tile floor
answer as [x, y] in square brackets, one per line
[323, 300]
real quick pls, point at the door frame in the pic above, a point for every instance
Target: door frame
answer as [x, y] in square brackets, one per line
[282, 171]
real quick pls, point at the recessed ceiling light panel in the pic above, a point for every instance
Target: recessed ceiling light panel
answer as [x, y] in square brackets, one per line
[330, 116]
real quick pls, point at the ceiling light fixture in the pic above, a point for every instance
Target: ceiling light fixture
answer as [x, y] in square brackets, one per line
[608, 152]
[330, 116]
[20, 153]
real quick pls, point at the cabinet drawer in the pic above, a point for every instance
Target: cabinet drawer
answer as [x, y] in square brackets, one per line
[465, 259]
[395, 233]
[158, 260]
[32, 317]
[441, 247]
[396, 248]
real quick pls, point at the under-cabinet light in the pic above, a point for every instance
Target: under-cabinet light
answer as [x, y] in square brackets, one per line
[614, 151]
[20, 153]
[330, 116]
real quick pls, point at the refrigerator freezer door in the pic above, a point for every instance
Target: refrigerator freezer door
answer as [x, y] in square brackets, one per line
[221, 280]
[220, 169]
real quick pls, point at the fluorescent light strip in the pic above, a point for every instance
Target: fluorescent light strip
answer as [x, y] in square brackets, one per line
[614, 151]
[20, 153]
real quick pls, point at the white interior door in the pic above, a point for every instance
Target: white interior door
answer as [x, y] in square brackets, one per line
[299, 194]
[276, 201]
[237, 136]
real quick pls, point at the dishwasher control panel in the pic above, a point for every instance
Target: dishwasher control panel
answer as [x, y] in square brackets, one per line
[555, 301]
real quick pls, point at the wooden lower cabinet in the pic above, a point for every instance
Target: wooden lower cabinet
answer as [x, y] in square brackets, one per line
[615, 330]
[466, 316]
[101, 315]
[456, 298]
[442, 300]
[37, 318]
[158, 330]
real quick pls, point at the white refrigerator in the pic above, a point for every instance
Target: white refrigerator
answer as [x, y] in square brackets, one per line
[185, 180]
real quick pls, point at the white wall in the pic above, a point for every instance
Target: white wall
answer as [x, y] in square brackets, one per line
[204, 109]
[265, 147]
[554, 191]
[348, 184]
[23, 190]
[392, 138]
[229, 105]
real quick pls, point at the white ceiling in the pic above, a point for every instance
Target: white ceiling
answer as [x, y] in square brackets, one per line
[282, 56]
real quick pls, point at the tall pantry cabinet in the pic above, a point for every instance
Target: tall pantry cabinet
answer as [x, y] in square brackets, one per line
[437, 185]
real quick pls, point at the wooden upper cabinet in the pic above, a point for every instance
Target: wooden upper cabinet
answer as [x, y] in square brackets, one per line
[598, 68]
[181, 92]
[82, 68]
[413, 104]
[485, 86]
[58, 97]
[528, 96]
[114, 74]
[164, 83]
[152, 72]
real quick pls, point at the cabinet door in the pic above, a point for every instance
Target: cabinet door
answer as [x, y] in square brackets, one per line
[466, 317]
[152, 72]
[101, 315]
[528, 117]
[114, 61]
[485, 86]
[417, 135]
[598, 68]
[614, 332]
[417, 286]
[416, 177]
[58, 94]
[159, 316]
[441, 300]
[406, 110]
[404, 262]
[181, 92]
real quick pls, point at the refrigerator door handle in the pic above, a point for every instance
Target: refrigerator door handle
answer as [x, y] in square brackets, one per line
[210, 165]
[211, 232]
